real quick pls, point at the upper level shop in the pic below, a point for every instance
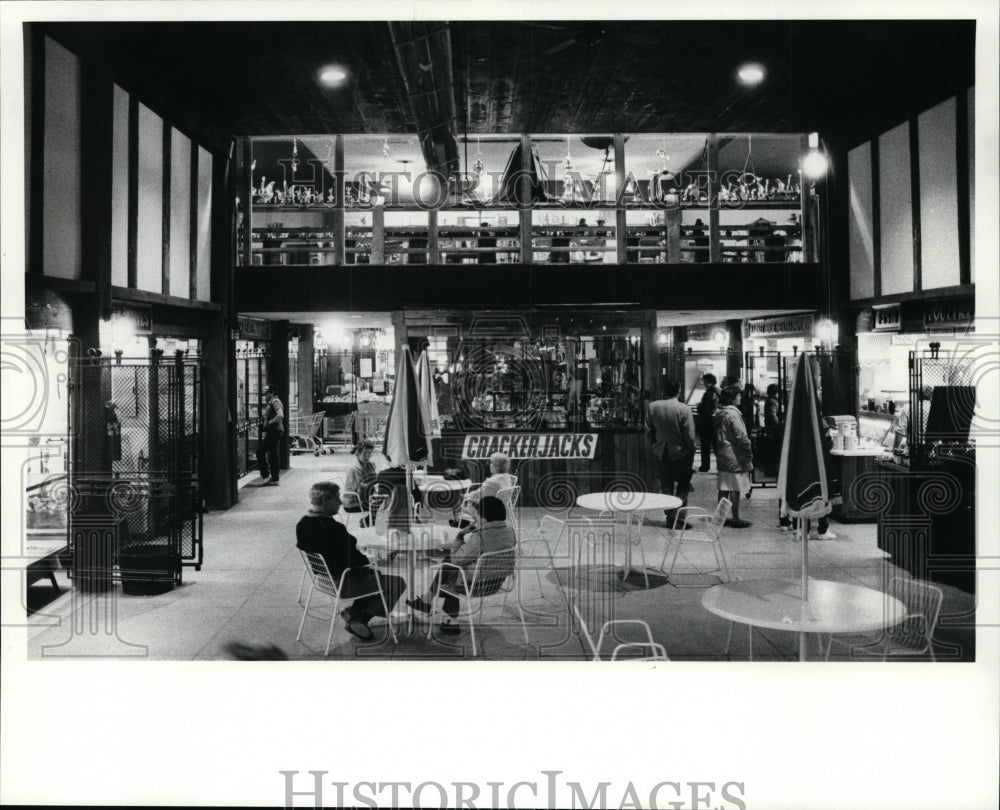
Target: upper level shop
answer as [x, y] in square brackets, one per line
[531, 199]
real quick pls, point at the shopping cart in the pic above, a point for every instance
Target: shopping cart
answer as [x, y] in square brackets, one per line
[304, 434]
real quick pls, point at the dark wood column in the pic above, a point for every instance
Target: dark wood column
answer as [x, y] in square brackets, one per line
[734, 357]
[279, 378]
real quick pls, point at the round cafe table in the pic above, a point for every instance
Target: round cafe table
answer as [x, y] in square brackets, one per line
[629, 504]
[421, 537]
[438, 492]
[777, 604]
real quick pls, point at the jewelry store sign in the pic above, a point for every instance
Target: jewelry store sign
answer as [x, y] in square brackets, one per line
[523, 446]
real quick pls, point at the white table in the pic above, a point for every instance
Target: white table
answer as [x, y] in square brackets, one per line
[776, 604]
[429, 484]
[421, 537]
[630, 504]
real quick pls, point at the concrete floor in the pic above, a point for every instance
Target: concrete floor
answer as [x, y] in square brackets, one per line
[247, 587]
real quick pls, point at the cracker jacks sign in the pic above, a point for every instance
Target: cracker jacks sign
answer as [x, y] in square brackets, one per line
[530, 445]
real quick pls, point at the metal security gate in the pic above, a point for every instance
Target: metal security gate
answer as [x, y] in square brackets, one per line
[134, 471]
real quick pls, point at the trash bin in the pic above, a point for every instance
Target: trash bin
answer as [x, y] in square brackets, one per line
[147, 568]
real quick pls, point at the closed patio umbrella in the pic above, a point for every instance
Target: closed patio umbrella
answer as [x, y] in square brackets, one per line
[802, 484]
[406, 442]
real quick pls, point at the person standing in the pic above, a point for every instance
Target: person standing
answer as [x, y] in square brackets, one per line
[733, 453]
[671, 428]
[706, 424]
[272, 429]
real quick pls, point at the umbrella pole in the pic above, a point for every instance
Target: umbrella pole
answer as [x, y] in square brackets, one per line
[804, 529]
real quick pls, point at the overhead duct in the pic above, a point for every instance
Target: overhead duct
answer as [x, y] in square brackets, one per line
[423, 52]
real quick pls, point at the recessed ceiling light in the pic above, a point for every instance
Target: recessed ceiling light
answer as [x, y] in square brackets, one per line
[332, 76]
[750, 74]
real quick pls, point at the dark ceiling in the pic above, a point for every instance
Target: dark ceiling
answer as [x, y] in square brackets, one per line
[851, 79]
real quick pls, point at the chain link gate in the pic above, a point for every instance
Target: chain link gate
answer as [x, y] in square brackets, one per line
[135, 510]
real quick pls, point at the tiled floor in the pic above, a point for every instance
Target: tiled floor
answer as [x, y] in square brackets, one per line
[246, 592]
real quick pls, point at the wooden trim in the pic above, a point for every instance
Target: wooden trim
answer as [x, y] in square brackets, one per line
[876, 221]
[922, 295]
[621, 220]
[524, 211]
[964, 203]
[133, 190]
[165, 205]
[40, 281]
[243, 186]
[915, 203]
[340, 178]
[714, 245]
[193, 225]
[36, 97]
[146, 297]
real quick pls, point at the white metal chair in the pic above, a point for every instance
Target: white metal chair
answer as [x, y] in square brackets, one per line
[706, 528]
[322, 581]
[509, 496]
[911, 637]
[495, 572]
[653, 650]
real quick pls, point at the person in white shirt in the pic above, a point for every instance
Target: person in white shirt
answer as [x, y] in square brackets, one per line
[500, 478]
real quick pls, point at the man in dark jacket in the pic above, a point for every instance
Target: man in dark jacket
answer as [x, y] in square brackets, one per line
[272, 429]
[706, 425]
[319, 533]
[671, 428]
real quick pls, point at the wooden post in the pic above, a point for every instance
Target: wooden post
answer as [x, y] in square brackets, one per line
[620, 219]
[433, 245]
[714, 247]
[672, 232]
[340, 178]
[378, 234]
[524, 194]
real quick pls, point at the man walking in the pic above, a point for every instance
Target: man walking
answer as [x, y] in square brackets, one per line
[671, 429]
[706, 422]
[272, 429]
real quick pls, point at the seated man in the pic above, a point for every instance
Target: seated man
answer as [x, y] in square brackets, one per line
[319, 533]
[500, 478]
[492, 534]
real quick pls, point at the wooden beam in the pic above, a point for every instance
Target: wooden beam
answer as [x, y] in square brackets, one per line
[340, 196]
[915, 203]
[193, 226]
[34, 48]
[876, 221]
[165, 208]
[133, 190]
[962, 159]
[714, 245]
[524, 209]
[146, 297]
[621, 221]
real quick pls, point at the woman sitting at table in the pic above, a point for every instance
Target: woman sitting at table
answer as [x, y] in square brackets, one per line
[493, 533]
[500, 478]
[360, 477]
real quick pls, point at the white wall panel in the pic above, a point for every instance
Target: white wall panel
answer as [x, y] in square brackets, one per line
[62, 200]
[859, 172]
[180, 214]
[939, 266]
[119, 189]
[204, 235]
[149, 247]
[895, 210]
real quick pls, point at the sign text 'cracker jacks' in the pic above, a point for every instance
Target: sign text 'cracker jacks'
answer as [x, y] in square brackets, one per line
[530, 445]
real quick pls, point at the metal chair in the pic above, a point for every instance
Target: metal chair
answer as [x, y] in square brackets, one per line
[911, 637]
[322, 581]
[654, 651]
[707, 528]
[495, 572]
